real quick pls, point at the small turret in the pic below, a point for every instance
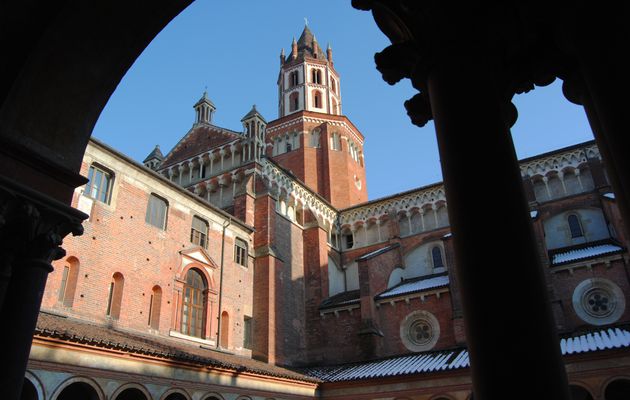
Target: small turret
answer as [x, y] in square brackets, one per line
[282, 57]
[154, 159]
[204, 109]
[315, 46]
[254, 125]
[329, 53]
[294, 49]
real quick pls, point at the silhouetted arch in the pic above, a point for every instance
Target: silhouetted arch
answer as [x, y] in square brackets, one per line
[29, 391]
[579, 393]
[618, 389]
[79, 389]
[176, 394]
[131, 392]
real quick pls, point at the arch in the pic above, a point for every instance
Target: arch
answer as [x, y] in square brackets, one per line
[69, 278]
[79, 388]
[212, 396]
[294, 101]
[36, 389]
[317, 99]
[335, 106]
[193, 311]
[575, 226]
[225, 330]
[579, 392]
[155, 305]
[437, 258]
[617, 389]
[131, 391]
[114, 301]
[175, 394]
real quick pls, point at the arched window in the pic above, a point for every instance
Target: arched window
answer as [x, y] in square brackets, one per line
[288, 143]
[240, 252]
[333, 84]
[199, 232]
[335, 107]
[575, 226]
[317, 99]
[436, 256]
[69, 277]
[225, 330]
[114, 301]
[314, 142]
[157, 209]
[316, 76]
[293, 79]
[194, 304]
[294, 101]
[335, 142]
[99, 184]
[155, 304]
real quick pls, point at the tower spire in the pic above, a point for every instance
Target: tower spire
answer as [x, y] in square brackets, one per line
[204, 109]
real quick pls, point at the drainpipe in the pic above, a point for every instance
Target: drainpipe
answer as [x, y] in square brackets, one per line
[225, 225]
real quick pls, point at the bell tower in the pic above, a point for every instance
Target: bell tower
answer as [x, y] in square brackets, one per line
[311, 137]
[308, 80]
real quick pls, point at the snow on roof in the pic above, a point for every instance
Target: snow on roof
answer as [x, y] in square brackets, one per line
[415, 285]
[612, 338]
[584, 252]
[377, 252]
[412, 364]
[446, 360]
[609, 195]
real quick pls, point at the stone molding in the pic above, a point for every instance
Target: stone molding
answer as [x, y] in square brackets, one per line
[559, 162]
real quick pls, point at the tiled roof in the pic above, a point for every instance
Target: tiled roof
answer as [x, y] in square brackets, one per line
[378, 252]
[349, 297]
[199, 139]
[411, 364]
[584, 252]
[305, 46]
[156, 153]
[67, 329]
[605, 339]
[253, 112]
[415, 285]
[448, 360]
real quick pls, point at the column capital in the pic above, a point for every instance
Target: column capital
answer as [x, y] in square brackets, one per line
[32, 226]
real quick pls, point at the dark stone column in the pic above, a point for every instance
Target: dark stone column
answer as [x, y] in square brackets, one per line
[510, 331]
[31, 230]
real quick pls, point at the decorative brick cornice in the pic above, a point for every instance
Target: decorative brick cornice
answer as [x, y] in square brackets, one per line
[560, 161]
[301, 193]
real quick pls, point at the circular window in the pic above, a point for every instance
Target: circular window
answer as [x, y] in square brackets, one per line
[598, 301]
[420, 331]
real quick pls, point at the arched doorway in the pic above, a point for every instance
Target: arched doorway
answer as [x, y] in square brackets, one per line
[579, 393]
[131, 394]
[619, 389]
[78, 391]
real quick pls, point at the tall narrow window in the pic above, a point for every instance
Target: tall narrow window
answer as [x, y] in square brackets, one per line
[240, 252]
[199, 232]
[316, 76]
[225, 330]
[194, 305]
[69, 278]
[317, 99]
[155, 305]
[333, 85]
[335, 142]
[294, 101]
[114, 301]
[436, 255]
[293, 79]
[156, 212]
[99, 184]
[247, 332]
[574, 226]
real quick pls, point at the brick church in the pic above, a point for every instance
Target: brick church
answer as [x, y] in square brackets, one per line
[251, 265]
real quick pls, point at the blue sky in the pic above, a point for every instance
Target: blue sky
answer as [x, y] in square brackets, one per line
[233, 47]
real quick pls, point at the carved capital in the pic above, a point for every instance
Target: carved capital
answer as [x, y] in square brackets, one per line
[32, 226]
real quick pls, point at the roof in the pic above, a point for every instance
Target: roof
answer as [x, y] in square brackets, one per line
[584, 252]
[341, 299]
[72, 330]
[305, 46]
[454, 359]
[156, 153]
[199, 139]
[377, 252]
[204, 99]
[253, 113]
[415, 285]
